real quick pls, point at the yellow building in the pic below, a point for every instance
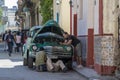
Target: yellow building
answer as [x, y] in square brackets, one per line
[62, 13]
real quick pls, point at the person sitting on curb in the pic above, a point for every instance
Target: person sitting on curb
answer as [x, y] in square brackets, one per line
[54, 67]
[40, 62]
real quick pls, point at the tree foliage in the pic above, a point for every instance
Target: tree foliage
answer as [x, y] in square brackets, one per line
[46, 10]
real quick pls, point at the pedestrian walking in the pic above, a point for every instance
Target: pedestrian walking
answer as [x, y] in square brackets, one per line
[72, 40]
[4, 40]
[18, 41]
[10, 39]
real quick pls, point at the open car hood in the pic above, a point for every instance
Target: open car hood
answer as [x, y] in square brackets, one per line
[51, 26]
[48, 37]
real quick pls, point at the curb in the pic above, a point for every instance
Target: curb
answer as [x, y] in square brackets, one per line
[89, 78]
[80, 73]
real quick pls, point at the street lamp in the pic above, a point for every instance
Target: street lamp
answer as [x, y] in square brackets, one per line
[58, 2]
[70, 2]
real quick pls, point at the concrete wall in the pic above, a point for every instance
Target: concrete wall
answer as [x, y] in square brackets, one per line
[82, 23]
[110, 22]
[90, 17]
[106, 54]
[96, 17]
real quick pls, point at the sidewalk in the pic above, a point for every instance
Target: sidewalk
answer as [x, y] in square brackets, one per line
[91, 74]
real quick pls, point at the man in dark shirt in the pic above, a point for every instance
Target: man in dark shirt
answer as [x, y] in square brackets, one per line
[10, 39]
[72, 40]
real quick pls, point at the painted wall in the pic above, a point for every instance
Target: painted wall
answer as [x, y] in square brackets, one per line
[82, 22]
[64, 14]
[90, 17]
[96, 17]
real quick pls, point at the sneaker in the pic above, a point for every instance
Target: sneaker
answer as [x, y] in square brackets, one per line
[79, 66]
[65, 69]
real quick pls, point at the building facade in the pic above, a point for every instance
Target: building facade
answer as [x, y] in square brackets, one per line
[28, 13]
[95, 22]
[2, 2]
[11, 23]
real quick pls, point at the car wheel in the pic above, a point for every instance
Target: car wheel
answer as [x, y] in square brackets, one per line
[25, 62]
[30, 62]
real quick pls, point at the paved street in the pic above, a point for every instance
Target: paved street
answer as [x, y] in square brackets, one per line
[11, 68]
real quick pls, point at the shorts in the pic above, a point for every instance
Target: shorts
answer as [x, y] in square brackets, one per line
[78, 49]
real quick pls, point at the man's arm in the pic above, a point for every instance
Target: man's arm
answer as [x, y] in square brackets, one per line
[67, 43]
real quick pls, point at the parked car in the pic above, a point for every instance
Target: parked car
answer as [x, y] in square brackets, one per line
[30, 35]
[49, 37]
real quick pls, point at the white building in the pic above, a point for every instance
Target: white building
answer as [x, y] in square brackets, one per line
[2, 2]
[95, 23]
[11, 24]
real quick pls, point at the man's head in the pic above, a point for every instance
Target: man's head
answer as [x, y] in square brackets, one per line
[65, 35]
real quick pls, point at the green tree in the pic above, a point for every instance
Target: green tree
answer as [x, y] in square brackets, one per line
[0, 15]
[46, 10]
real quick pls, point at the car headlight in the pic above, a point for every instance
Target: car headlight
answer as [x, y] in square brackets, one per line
[68, 48]
[34, 48]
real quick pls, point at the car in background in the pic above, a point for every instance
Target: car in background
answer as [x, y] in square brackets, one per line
[48, 37]
[30, 34]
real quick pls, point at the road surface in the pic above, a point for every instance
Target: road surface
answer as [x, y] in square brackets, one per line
[11, 68]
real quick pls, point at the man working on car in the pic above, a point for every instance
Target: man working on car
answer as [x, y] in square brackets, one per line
[51, 66]
[72, 40]
[40, 62]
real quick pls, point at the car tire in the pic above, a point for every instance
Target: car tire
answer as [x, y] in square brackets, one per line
[30, 62]
[25, 62]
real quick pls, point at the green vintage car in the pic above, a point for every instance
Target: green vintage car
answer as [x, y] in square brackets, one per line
[49, 37]
[26, 46]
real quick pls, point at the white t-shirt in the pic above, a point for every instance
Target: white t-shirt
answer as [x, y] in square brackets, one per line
[18, 39]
